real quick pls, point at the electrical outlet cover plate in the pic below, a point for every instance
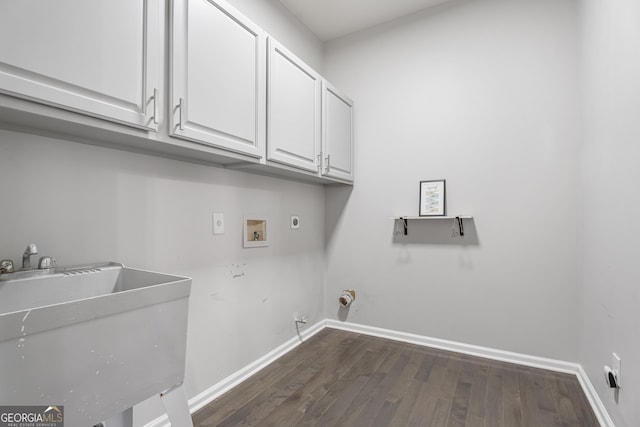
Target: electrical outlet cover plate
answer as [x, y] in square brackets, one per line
[295, 222]
[218, 223]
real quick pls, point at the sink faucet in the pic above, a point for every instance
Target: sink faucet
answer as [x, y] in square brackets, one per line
[46, 265]
[32, 249]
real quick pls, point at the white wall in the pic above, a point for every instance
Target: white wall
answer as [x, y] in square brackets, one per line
[610, 174]
[485, 95]
[82, 203]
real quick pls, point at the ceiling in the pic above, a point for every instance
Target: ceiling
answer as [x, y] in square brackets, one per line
[330, 19]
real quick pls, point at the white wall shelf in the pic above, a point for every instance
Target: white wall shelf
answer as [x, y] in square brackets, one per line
[459, 219]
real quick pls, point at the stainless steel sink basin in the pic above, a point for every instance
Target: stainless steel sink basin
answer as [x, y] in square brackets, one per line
[96, 339]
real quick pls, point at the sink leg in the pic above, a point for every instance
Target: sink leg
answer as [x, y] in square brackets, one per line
[123, 419]
[175, 403]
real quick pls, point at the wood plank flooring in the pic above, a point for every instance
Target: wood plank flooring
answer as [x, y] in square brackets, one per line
[339, 378]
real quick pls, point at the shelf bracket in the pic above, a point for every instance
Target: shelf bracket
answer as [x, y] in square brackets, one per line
[404, 223]
[460, 226]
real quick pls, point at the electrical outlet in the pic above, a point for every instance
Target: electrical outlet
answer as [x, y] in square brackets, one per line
[218, 223]
[295, 222]
[615, 365]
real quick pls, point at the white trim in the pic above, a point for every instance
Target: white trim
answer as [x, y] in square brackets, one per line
[594, 399]
[213, 392]
[243, 374]
[473, 350]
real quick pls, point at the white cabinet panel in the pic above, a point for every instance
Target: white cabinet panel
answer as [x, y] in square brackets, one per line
[337, 134]
[218, 77]
[294, 110]
[98, 57]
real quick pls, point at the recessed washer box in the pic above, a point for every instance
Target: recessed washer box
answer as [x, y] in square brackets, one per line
[255, 232]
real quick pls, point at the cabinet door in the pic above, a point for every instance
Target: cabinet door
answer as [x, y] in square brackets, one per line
[294, 110]
[337, 134]
[218, 77]
[97, 57]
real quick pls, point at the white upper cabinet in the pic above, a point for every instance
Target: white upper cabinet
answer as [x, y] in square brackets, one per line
[93, 70]
[98, 57]
[337, 134]
[294, 110]
[218, 77]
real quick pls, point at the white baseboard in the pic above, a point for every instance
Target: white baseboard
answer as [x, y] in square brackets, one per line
[236, 378]
[458, 347]
[213, 392]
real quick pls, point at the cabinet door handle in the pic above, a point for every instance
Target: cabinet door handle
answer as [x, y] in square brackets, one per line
[155, 117]
[180, 119]
[328, 165]
[319, 162]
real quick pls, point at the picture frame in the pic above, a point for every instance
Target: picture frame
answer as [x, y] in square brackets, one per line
[255, 231]
[433, 200]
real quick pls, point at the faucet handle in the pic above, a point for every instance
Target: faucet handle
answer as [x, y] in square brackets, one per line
[46, 262]
[6, 266]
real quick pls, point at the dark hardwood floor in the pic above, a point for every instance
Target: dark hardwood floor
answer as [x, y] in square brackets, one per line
[340, 378]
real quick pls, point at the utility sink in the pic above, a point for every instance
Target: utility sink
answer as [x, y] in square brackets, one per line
[95, 339]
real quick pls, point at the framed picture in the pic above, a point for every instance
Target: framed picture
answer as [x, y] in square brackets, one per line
[433, 200]
[255, 232]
